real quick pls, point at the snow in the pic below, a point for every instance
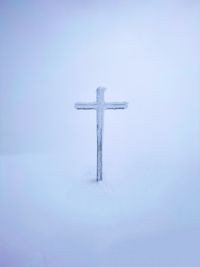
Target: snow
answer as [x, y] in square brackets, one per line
[55, 215]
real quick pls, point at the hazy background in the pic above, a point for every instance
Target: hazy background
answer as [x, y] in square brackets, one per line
[55, 53]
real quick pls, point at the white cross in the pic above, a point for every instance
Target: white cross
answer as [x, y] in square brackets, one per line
[100, 106]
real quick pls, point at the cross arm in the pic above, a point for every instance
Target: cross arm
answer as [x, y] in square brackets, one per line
[116, 105]
[85, 106]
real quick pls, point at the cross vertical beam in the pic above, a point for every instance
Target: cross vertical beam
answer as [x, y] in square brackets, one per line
[100, 123]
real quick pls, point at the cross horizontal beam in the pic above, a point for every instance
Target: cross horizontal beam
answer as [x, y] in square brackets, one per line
[116, 105]
[93, 105]
[86, 106]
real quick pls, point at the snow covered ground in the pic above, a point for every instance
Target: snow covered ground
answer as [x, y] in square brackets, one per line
[56, 215]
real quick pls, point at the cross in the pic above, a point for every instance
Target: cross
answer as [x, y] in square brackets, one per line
[100, 106]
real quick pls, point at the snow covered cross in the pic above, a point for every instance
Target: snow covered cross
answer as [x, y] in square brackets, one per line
[100, 106]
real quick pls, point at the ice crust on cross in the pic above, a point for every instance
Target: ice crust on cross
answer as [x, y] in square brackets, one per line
[100, 105]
